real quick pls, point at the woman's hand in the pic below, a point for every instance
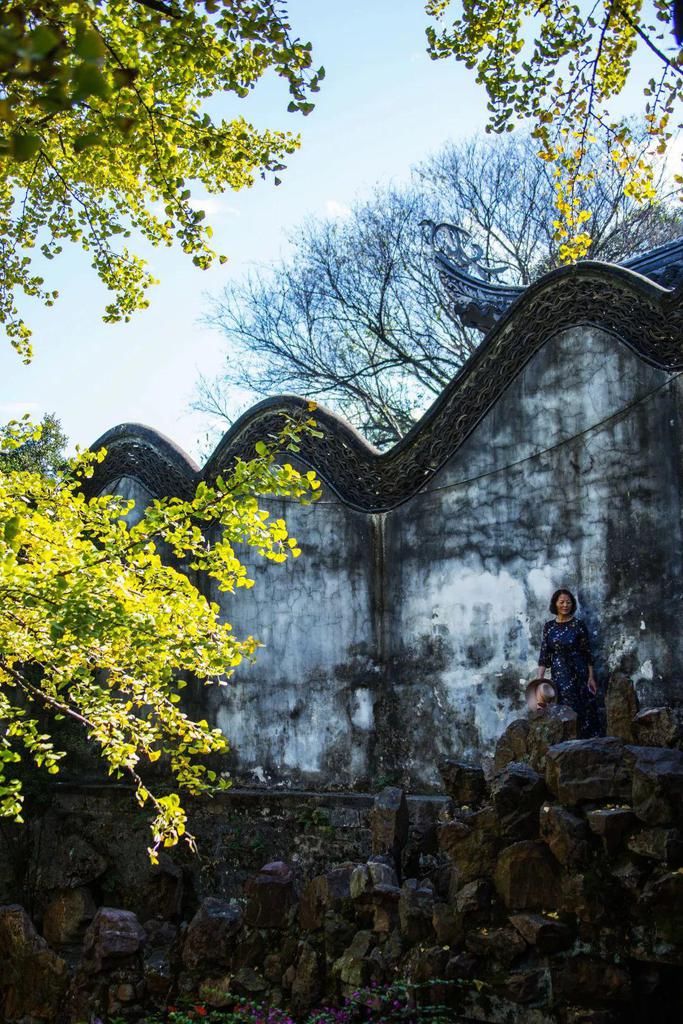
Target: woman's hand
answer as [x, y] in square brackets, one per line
[592, 685]
[541, 672]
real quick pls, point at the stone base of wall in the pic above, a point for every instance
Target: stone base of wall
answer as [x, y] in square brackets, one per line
[549, 892]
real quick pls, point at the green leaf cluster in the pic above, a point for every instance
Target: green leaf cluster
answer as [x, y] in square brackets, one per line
[96, 627]
[560, 64]
[104, 123]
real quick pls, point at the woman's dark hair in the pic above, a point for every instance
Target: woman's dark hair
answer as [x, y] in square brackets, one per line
[558, 593]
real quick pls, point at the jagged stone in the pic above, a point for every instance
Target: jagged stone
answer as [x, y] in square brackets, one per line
[163, 894]
[415, 911]
[448, 925]
[547, 728]
[465, 784]
[611, 824]
[658, 785]
[113, 936]
[248, 982]
[621, 706]
[526, 877]
[657, 727]
[585, 980]
[384, 900]
[68, 915]
[323, 893]
[210, 934]
[471, 844]
[588, 895]
[597, 769]
[474, 900]
[566, 834]
[517, 795]
[307, 984]
[33, 979]
[661, 844]
[338, 933]
[390, 822]
[216, 992]
[546, 934]
[512, 745]
[504, 945]
[354, 966]
[660, 908]
[525, 986]
[270, 896]
[160, 957]
[71, 864]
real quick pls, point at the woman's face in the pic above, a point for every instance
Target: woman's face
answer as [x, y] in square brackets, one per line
[564, 604]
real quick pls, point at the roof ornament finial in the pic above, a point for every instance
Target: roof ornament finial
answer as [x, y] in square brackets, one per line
[456, 245]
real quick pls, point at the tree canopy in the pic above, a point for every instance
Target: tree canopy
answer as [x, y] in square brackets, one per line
[43, 450]
[561, 64]
[353, 316]
[104, 129]
[96, 627]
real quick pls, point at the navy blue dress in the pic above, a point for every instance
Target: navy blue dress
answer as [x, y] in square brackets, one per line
[565, 650]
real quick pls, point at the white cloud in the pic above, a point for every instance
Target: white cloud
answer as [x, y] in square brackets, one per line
[333, 208]
[214, 206]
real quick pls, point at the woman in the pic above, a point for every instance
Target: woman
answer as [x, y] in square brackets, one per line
[565, 649]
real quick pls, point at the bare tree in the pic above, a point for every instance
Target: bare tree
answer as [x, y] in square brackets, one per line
[353, 316]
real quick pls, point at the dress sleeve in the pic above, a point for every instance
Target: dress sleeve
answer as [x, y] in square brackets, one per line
[584, 643]
[544, 657]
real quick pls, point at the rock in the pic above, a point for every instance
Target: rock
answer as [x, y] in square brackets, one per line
[160, 957]
[415, 911]
[565, 834]
[68, 915]
[611, 824]
[338, 933]
[544, 933]
[163, 894]
[504, 945]
[658, 785]
[464, 783]
[517, 795]
[389, 822]
[588, 895]
[621, 706]
[448, 925]
[113, 936]
[662, 844]
[657, 727]
[365, 878]
[546, 729]
[33, 979]
[270, 896]
[323, 893]
[474, 900]
[589, 981]
[471, 844]
[216, 992]
[72, 864]
[512, 745]
[248, 982]
[210, 934]
[353, 966]
[307, 985]
[384, 901]
[525, 986]
[597, 769]
[526, 877]
[660, 908]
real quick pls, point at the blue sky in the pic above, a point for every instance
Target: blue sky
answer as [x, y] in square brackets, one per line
[383, 107]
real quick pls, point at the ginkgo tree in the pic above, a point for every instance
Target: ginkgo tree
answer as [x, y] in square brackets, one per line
[105, 129]
[96, 627]
[562, 64]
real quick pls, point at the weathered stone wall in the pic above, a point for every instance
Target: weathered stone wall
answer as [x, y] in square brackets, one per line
[402, 635]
